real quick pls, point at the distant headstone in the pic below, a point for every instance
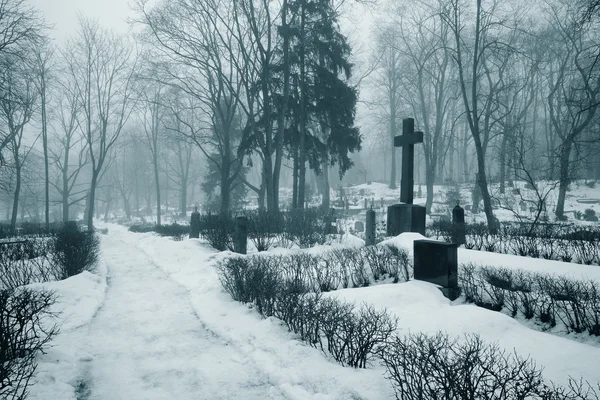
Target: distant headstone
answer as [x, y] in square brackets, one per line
[370, 232]
[195, 224]
[366, 203]
[467, 207]
[458, 225]
[361, 192]
[359, 226]
[437, 262]
[523, 206]
[240, 238]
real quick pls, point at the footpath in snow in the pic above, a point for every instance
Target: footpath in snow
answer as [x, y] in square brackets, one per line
[148, 340]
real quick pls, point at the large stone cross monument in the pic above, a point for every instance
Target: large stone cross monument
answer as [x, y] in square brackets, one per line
[406, 217]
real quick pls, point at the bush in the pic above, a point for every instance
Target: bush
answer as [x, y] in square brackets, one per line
[24, 333]
[75, 251]
[25, 261]
[278, 289]
[218, 230]
[422, 367]
[573, 303]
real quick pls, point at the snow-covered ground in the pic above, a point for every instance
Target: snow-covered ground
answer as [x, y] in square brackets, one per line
[163, 328]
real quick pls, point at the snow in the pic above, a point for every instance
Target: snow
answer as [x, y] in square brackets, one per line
[166, 330]
[160, 326]
[421, 307]
[570, 270]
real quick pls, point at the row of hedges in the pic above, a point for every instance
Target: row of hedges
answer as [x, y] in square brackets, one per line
[419, 366]
[303, 228]
[338, 268]
[26, 319]
[552, 300]
[549, 241]
[349, 334]
[56, 256]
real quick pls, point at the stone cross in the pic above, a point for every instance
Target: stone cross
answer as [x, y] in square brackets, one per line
[407, 141]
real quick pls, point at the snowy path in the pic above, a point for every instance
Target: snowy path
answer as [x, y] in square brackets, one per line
[147, 343]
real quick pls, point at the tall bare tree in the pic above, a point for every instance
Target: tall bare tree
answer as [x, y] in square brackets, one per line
[102, 65]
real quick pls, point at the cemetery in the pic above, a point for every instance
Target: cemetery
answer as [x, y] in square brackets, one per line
[299, 200]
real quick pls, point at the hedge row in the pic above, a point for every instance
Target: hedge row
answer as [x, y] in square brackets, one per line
[57, 256]
[303, 228]
[349, 334]
[575, 304]
[419, 366]
[422, 366]
[338, 268]
[550, 241]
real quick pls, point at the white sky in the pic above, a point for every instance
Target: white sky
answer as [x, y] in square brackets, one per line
[63, 14]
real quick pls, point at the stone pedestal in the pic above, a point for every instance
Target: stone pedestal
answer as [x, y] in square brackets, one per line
[405, 218]
[240, 235]
[370, 231]
[437, 262]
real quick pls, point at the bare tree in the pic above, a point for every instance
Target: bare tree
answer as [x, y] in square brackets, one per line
[20, 27]
[574, 78]
[43, 69]
[101, 64]
[18, 100]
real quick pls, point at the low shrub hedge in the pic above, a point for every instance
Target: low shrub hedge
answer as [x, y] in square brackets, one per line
[551, 300]
[560, 242]
[422, 366]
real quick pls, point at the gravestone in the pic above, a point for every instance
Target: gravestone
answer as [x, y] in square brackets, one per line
[370, 232]
[359, 226]
[240, 235]
[458, 225]
[437, 263]
[406, 217]
[195, 224]
[523, 206]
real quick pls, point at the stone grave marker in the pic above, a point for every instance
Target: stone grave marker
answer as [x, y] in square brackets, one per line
[240, 235]
[370, 232]
[437, 262]
[195, 224]
[359, 226]
[406, 217]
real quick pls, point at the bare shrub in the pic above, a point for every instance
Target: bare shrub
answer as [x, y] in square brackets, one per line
[74, 251]
[24, 333]
[422, 367]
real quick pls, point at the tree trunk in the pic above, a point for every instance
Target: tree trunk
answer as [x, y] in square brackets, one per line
[565, 155]
[503, 161]
[326, 199]
[156, 180]
[15, 208]
[90, 214]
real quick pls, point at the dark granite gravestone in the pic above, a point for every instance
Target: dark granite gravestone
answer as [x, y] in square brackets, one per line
[458, 225]
[359, 226]
[195, 224]
[240, 235]
[437, 262]
[370, 232]
[406, 217]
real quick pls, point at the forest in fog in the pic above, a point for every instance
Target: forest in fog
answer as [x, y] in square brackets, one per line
[225, 103]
